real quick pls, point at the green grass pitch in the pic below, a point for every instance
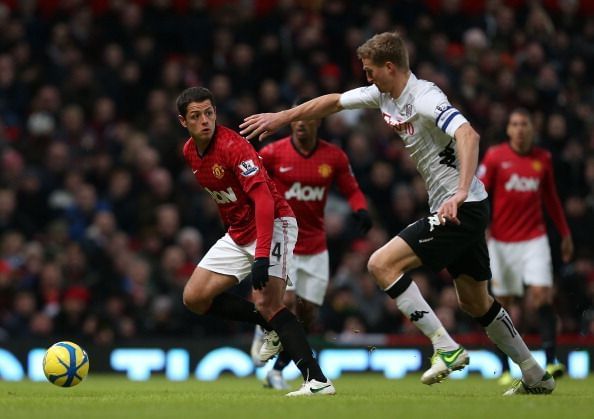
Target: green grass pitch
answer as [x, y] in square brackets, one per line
[360, 396]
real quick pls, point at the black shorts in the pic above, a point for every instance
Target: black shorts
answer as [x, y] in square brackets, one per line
[461, 249]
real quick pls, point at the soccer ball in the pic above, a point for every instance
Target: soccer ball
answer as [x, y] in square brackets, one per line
[65, 364]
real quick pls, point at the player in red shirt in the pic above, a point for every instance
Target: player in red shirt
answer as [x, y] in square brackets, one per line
[304, 168]
[519, 178]
[259, 241]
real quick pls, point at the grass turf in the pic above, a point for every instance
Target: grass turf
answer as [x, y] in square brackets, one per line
[359, 396]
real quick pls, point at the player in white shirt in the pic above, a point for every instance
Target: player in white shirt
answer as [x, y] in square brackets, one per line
[444, 147]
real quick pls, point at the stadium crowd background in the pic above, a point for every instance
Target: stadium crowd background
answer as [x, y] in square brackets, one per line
[101, 223]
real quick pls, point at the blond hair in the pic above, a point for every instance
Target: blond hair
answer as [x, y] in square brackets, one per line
[384, 47]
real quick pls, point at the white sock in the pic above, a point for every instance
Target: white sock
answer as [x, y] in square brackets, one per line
[412, 304]
[503, 333]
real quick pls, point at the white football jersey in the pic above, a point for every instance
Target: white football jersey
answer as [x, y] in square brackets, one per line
[426, 121]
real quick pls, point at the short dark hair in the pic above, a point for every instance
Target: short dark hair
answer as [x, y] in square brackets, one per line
[193, 94]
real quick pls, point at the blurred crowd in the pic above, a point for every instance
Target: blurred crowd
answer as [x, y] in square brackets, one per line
[101, 223]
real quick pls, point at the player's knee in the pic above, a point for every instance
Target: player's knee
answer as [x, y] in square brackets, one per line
[196, 301]
[375, 265]
[268, 308]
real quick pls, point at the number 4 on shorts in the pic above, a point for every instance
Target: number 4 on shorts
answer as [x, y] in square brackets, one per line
[276, 252]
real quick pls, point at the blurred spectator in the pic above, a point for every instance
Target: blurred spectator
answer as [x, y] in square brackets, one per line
[101, 223]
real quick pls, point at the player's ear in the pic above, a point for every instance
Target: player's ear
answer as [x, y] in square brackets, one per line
[182, 121]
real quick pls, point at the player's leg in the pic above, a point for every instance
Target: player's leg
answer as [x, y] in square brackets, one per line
[538, 277]
[506, 263]
[307, 312]
[259, 335]
[393, 260]
[291, 335]
[221, 268]
[204, 293]
[475, 300]
[290, 332]
[506, 378]
[472, 272]
[274, 377]
[309, 278]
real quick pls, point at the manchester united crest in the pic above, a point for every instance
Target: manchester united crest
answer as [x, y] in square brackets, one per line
[537, 165]
[218, 171]
[325, 170]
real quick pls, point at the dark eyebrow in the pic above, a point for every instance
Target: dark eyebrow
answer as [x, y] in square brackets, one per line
[210, 108]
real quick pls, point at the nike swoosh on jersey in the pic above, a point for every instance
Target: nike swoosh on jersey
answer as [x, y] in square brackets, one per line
[284, 169]
[194, 171]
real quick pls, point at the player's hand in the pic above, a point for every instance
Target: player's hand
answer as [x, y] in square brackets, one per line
[363, 220]
[566, 249]
[260, 273]
[261, 125]
[448, 212]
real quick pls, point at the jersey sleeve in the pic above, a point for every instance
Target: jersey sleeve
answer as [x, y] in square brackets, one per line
[347, 184]
[361, 97]
[264, 215]
[246, 164]
[551, 200]
[434, 104]
[487, 170]
[267, 155]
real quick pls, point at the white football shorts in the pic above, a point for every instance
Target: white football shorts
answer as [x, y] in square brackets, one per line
[517, 264]
[228, 258]
[309, 276]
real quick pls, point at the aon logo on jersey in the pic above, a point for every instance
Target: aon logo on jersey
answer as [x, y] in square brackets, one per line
[522, 184]
[222, 197]
[305, 193]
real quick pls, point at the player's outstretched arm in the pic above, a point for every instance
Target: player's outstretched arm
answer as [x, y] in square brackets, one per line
[263, 124]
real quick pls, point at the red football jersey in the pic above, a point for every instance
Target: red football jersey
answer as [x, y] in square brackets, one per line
[304, 181]
[518, 186]
[229, 168]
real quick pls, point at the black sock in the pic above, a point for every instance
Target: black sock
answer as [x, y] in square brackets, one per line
[548, 331]
[295, 343]
[486, 319]
[282, 361]
[399, 286]
[232, 307]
